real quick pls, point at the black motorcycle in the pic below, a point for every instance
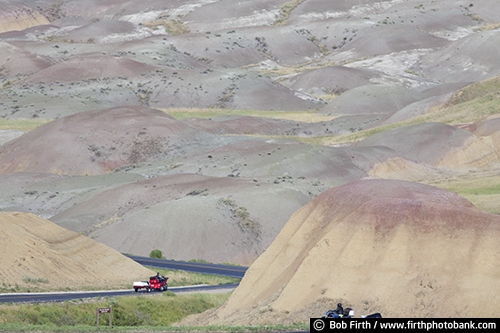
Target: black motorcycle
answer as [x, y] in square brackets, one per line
[339, 312]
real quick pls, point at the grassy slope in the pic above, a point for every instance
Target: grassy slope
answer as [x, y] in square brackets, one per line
[21, 124]
[150, 310]
[142, 313]
[483, 190]
[302, 116]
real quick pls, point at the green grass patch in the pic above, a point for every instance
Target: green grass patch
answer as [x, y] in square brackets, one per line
[182, 278]
[144, 313]
[200, 261]
[28, 279]
[301, 116]
[482, 190]
[129, 311]
[21, 124]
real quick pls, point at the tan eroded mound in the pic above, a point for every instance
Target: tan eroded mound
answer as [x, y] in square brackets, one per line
[35, 249]
[402, 248]
[18, 17]
[482, 150]
[401, 168]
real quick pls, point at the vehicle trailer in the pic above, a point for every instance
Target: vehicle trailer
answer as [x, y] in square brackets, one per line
[157, 282]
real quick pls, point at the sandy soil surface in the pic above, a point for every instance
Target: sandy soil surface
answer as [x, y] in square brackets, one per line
[37, 253]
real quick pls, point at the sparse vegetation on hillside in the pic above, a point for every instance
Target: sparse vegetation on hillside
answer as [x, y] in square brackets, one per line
[489, 26]
[173, 27]
[7, 84]
[315, 40]
[468, 105]
[59, 39]
[285, 11]
[53, 12]
[242, 217]
[483, 190]
[483, 89]
[145, 147]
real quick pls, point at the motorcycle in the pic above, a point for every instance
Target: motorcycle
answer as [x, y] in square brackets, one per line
[347, 313]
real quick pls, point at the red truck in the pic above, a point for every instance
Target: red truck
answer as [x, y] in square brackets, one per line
[157, 282]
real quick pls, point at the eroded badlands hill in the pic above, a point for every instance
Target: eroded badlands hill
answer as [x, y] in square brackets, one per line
[401, 248]
[36, 251]
[292, 98]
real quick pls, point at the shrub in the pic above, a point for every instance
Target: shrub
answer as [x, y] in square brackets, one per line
[156, 254]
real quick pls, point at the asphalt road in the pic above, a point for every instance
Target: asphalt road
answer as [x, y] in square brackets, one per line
[226, 270]
[65, 296]
[206, 268]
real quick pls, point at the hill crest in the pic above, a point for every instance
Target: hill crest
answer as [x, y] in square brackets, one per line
[400, 248]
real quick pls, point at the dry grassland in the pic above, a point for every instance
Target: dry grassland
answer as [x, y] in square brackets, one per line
[480, 188]
[301, 116]
[21, 124]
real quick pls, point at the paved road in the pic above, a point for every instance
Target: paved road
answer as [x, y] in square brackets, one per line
[226, 270]
[65, 296]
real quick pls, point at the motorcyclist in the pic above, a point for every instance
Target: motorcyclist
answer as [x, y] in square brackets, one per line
[339, 312]
[340, 309]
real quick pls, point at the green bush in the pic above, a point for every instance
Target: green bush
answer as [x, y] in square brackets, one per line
[156, 254]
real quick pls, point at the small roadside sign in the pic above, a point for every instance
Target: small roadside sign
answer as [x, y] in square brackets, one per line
[100, 311]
